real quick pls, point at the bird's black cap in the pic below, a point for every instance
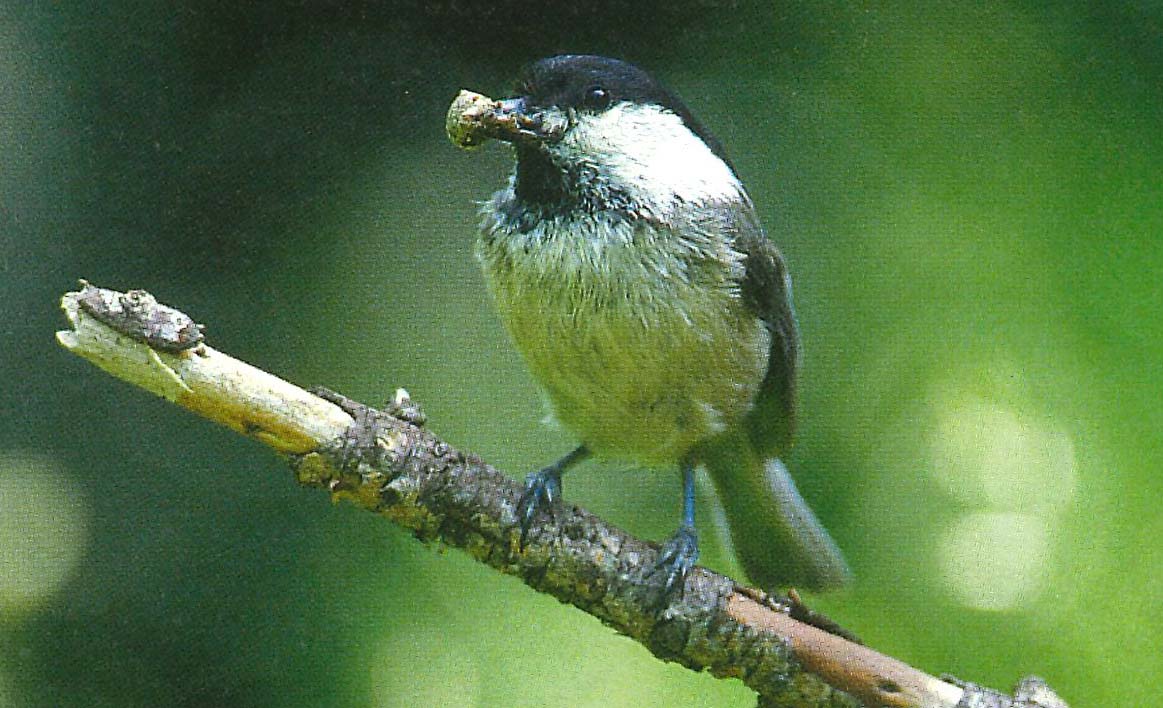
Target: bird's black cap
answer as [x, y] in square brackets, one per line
[587, 82]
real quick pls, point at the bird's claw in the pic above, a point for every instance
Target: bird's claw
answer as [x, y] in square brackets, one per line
[542, 491]
[677, 557]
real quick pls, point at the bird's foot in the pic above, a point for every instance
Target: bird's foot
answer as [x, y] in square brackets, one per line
[542, 491]
[677, 557]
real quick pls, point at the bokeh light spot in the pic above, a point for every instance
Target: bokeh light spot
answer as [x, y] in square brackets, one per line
[44, 524]
[1014, 475]
[420, 667]
[995, 560]
[989, 455]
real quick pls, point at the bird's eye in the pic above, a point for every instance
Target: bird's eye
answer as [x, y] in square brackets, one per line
[597, 97]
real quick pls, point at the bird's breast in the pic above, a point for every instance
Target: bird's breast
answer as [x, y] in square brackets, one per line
[638, 335]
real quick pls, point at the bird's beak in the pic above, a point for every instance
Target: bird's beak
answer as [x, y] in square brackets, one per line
[474, 119]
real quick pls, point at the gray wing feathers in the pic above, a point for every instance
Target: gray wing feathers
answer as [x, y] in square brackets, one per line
[766, 289]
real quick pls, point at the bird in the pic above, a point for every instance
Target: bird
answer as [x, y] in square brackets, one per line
[630, 268]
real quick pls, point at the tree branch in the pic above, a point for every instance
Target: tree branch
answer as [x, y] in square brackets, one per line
[385, 462]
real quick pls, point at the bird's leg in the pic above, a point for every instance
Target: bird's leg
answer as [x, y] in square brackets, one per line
[679, 554]
[543, 489]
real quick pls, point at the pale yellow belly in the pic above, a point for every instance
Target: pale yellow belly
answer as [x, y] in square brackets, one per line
[641, 381]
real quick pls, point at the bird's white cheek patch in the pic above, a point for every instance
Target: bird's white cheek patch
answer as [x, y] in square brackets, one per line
[649, 152]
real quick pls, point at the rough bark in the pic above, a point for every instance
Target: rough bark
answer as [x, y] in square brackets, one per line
[386, 462]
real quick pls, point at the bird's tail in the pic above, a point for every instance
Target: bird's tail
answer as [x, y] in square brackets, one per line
[777, 538]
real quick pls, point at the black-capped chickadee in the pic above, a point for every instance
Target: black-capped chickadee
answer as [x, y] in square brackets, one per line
[630, 268]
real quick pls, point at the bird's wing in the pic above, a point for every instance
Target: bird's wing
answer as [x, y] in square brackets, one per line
[766, 289]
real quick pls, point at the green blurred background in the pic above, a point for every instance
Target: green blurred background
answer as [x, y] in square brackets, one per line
[970, 197]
